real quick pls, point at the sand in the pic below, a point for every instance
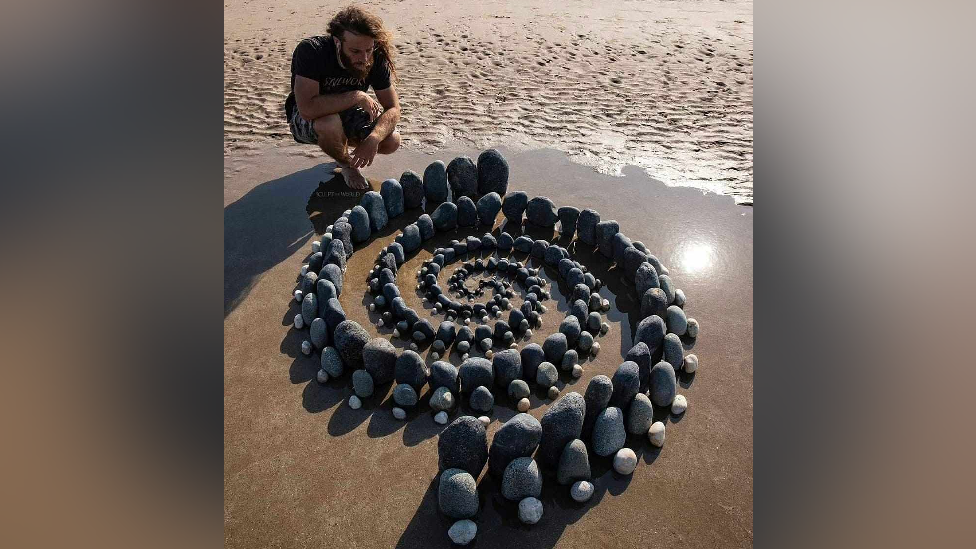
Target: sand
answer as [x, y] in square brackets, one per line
[304, 470]
[663, 85]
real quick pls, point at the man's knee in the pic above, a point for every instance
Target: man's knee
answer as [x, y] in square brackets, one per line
[329, 130]
[390, 144]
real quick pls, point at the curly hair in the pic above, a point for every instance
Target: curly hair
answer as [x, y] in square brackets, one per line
[357, 20]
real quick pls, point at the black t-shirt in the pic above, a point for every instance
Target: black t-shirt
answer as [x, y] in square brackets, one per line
[316, 58]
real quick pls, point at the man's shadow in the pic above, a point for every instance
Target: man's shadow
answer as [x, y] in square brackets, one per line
[265, 226]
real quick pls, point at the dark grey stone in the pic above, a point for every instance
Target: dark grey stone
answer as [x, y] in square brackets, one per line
[488, 207]
[578, 310]
[609, 434]
[586, 226]
[349, 339]
[654, 302]
[532, 355]
[446, 332]
[376, 208]
[640, 415]
[492, 173]
[507, 367]
[597, 398]
[333, 274]
[426, 226]
[462, 176]
[488, 242]
[574, 463]
[564, 265]
[517, 437]
[457, 494]
[521, 479]
[362, 383]
[567, 219]
[423, 327]
[410, 239]
[325, 290]
[575, 276]
[555, 346]
[310, 308]
[676, 320]
[650, 330]
[445, 217]
[668, 286]
[435, 183]
[514, 206]
[619, 242]
[463, 445]
[541, 211]
[380, 356]
[664, 385]
[475, 371]
[517, 390]
[336, 255]
[523, 244]
[333, 315]
[315, 261]
[505, 242]
[318, 333]
[467, 212]
[331, 362]
[342, 232]
[410, 368]
[561, 423]
[539, 248]
[399, 254]
[673, 352]
[570, 327]
[392, 194]
[633, 259]
[554, 254]
[626, 384]
[481, 399]
[308, 282]
[413, 190]
[443, 374]
[646, 278]
[405, 396]
[641, 355]
[605, 231]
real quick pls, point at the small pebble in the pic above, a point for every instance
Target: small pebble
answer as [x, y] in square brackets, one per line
[306, 347]
[679, 297]
[440, 418]
[379, 323]
[305, 269]
[484, 420]
[595, 348]
[485, 319]
[523, 405]
[354, 402]
[625, 461]
[692, 328]
[553, 393]
[577, 370]
[399, 413]
[679, 405]
[604, 328]
[656, 434]
[530, 510]
[489, 353]
[542, 309]
[528, 334]
[396, 332]
[463, 532]
[322, 376]
[435, 356]
[372, 307]
[691, 363]
[467, 321]
[299, 322]
[581, 491]
[606, 305]
[414, 347]
[298, 296]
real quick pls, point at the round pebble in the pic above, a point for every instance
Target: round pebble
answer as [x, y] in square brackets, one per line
[553, 393]
[577, 370]
[692, 328]
[354, 402]
[656, 434]
[581, 491]
[442, 399]
[322, 376]
[530, 510]
[604, 328]
[306, 347]
[440, 418]
[299, 322]
[399, 413]
[691, 363]
[595, 348]
[523, 405]
[298, 296]
[463, 532]
[625, 461]
[679, 405]
[485, 420]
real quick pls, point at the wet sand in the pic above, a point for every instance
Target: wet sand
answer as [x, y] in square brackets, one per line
[302, 469]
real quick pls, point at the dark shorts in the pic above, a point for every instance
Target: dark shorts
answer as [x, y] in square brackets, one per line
[355, 124]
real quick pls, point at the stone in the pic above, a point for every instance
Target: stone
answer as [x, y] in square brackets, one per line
[342, 232]
[668, 286]
[654, 302]
[399, 254]
[463, 445]
[410, 369]
[446, 332]
[633, 259]
[597, 397]
[405, 395]
[485, 420]
[362, 383]
[692, 328]
[532, 356]
[488, 207]
[650, 330]
[349, 339]
[310, 308]
[561, 423]
[492, 173]
[400, 413]
[579, 310]
[440, 418]
[331, 362]
[679, 298]
[581, 491]
[462, 177]
[676, 320]
[475, 371]
[354, 402]
[505, 242]
[332, 273]
[435, 183]
[380, 356]
[574, 463]
[530, 510]
[523, 405]
[585, 342]
[554, 254]
[555, 346]
[574, 277]
[514, 206]
[521, 479]
[567, 220]
[392, 194]
[457, 494]
[577, 371]
[424, 328]
[333, 314]
[656, 434]
[570, 360]
[626, 384]
[445, 217]
[318, 333]
[586, 226]
[413, 190]
[672, 349]
[463, 532]
[539, 248]
[411, 239]
[646, 278]
[570, 328]
[605, 231]
[442, 399]
[553, 393]
[546, 375]
[618, 243]
[315, 262]
[359, 220]
[481, 399]
[640, 415]
[507, 367]
[679, 405]
[691, 363]
[523, 244]
[609, 434]
[517, 437]
[467, 212]
[518, 389]
[641, 355]
[625, 461]
[488, 242]
[663, 384]
[322, 376]
[306, 347]
[376, 208]
[541, 211]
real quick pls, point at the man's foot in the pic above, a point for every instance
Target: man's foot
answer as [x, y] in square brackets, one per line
[354, 178]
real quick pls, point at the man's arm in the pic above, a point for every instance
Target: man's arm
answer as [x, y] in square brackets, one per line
[366, 151]
[311, 105]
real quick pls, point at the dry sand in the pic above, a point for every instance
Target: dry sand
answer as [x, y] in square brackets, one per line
[304, 470]
[663, 85]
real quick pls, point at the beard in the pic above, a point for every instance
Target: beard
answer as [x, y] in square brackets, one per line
[359, 71]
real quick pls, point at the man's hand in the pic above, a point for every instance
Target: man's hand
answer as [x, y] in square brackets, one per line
[365, 152]
[369, 105]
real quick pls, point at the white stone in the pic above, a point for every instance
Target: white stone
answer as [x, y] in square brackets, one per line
[577, 370]
[299, 322]
[306, 347]
[372, 307]
[691, 363]
[354, 402]
[581, 491]
[606, 305]
[656, 434]
[625, 461]
[530, 510]
[464, 357]
[316, 246]
[489, 353]
[463, 532]
[379, 323]
[523, 405]
[679, 405]
[595, 348]
[485, 420]
[396, 332]
[322, 376]
[467, 321]
[399, 413]
[513, 345]
[542, 309]
[692, 328]
[305, 269]
[298, 296]
[440, 417]
[528, 334]
[485, 319]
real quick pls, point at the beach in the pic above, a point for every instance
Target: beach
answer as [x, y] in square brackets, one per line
[303, 469]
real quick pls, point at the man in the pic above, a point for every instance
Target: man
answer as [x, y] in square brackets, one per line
[329, 106]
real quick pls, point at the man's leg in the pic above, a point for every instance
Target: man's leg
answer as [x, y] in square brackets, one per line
[332, 140]
[390, 144]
